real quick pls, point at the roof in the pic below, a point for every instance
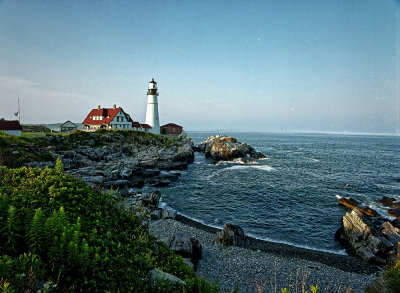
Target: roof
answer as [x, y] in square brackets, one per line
[10, 125]
[135, 124]
[145, 125]
[152, 81]
[68, 122]
[171, 125]
[108, 113]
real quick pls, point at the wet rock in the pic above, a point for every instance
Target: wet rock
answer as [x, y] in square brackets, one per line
[370, 212]
[231, 235]
[349, 203]
[390, 202]
[394, 212]
[353, 204]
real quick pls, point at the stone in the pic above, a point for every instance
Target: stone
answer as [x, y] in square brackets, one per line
[394, 212]
[349, 203]
[361, 238]
[181, 245]
[121, 183]
[390, 202]
[353, 204]
[226, 148]
[197, 252]
[157, 275]
[188, 262]
[151, 199]
[231, 235]
[168, 214]
[155, 215]
[391, 233]
[370, 212]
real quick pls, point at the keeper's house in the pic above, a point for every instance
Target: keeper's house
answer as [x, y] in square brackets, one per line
[111, 119]
[68, 127]
[11, 127]
[171, 129]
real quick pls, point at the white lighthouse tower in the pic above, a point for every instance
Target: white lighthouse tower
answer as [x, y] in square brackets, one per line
[152, 117]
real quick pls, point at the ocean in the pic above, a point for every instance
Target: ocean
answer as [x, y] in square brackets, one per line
[291, 196]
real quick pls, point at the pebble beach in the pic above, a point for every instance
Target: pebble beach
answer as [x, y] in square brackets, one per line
[272, 265]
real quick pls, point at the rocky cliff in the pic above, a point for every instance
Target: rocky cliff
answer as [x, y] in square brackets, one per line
[119, 159]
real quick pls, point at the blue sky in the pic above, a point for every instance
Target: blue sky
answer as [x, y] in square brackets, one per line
[233, 65]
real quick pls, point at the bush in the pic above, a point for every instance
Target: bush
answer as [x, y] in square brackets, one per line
[57, 230]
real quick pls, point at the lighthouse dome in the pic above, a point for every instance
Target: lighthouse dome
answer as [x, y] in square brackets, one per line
[152, 84]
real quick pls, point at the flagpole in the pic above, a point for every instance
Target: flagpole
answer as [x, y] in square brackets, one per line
[19, 113]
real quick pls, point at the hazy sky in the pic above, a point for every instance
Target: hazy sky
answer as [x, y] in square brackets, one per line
[239, 65]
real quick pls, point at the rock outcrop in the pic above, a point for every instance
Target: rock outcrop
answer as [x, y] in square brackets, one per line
[226, 148]
[231, 235]
[187, 247]
[120, 160]
[362, 238]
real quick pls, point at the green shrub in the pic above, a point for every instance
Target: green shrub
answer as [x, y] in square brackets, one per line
[73, 237]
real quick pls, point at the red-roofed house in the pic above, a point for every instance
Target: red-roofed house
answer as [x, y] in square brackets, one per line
[171, 129]
[11, 127]
[107, 118]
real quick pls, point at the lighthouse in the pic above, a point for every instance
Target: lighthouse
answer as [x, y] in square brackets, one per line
[152, 117]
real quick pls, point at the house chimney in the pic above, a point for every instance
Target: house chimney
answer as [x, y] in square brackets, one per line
[98, 107]
[114, 106]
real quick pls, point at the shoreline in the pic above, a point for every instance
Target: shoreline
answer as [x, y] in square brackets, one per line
[343, 262]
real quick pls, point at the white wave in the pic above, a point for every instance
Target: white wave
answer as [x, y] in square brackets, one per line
[240, 167]
[264, 168]
[338, 196]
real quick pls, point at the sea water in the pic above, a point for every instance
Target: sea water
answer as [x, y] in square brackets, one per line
[291, 196]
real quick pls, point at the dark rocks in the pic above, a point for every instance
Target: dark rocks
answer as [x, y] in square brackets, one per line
[354, 205]
[231, 235]
[390, 202]
[225, 148]
[122, 160]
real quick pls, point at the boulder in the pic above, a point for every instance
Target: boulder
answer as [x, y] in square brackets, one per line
[231, 235]
[168, 214]
[181, 245]
[159, 276]
[155, 215]
[226, 148]
[361, 238]
[150, 200]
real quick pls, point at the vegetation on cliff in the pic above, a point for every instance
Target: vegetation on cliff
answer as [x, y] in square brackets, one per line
[58, 234]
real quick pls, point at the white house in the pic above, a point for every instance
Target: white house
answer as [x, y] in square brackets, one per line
[11, 127]
[107, 118]
[68, 126]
